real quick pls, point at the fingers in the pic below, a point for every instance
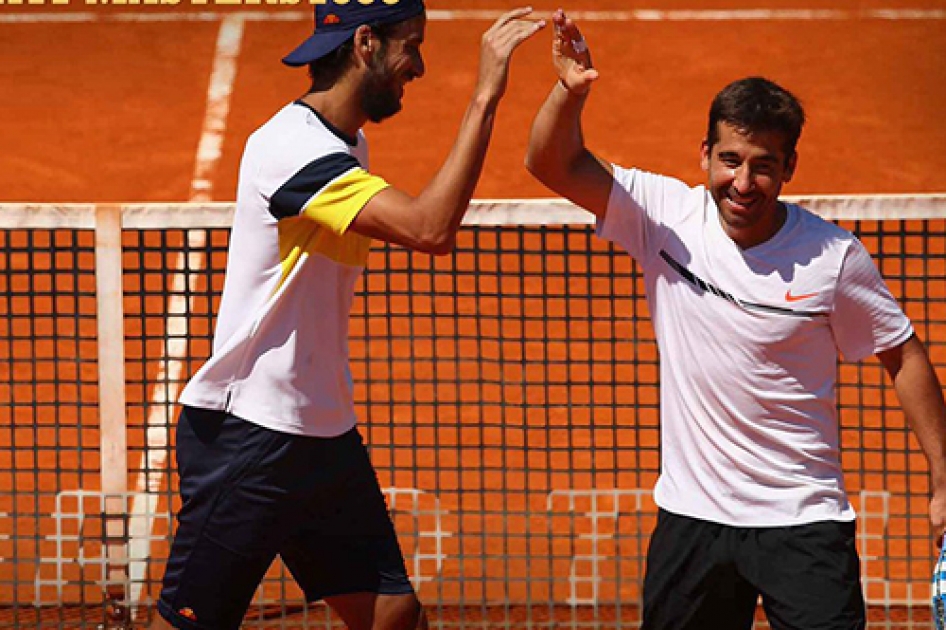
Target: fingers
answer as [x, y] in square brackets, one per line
[510, 16]
[571, 55]
[568, 39]
[511, 29]
[502, 38]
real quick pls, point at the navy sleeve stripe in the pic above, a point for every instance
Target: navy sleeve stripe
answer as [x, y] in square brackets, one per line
[292, 196]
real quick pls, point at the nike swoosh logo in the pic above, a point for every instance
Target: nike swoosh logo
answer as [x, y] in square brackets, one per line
[795, 298]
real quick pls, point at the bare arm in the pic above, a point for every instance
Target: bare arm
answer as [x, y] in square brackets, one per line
[557, 155]
[921, 397]
[429, 222]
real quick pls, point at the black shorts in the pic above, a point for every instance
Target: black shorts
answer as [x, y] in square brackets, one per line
[702, 575]
[250, 493]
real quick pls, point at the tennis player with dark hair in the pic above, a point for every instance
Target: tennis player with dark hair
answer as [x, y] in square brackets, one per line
[270, 460]
[752, 300]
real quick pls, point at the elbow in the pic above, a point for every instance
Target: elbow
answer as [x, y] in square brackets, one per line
[436, 244]
[534, 171]
[432, 227]
[532, 163]
[545, 162]
[539, 168]
[444, 249]
[443, 246]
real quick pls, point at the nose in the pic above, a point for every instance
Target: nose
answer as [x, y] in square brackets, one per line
[419, 67]
[742, 179]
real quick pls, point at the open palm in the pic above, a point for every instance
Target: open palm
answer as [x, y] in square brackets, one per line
[570, 55]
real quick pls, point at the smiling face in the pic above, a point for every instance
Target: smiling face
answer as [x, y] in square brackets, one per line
[745, 173]
[396, 62]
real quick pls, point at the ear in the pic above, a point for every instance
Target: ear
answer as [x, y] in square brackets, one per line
[364, 44]
[790, 167]
[705, 155]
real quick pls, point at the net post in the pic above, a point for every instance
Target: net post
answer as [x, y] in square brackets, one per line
[112, 410]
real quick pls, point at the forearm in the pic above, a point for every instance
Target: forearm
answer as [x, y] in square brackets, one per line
[556, 141]
[921, 398]
[443, 202]
[429, 222]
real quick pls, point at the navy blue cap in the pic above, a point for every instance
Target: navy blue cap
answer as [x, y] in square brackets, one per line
[336, 21]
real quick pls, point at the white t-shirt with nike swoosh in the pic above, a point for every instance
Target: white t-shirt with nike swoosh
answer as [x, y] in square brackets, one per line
[749, 342]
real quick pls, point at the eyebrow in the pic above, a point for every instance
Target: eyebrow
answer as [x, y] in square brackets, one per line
[767, 157]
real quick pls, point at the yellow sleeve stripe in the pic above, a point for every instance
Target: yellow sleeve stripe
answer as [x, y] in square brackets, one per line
[340, 201]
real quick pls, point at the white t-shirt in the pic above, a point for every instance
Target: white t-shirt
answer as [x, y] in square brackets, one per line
[280, 355]
[749, 343]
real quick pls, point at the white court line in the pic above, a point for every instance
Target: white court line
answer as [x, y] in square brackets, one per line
[145, 503]
[156, 14]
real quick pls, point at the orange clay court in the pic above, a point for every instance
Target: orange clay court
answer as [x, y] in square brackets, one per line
[110, 111]
[122, 104]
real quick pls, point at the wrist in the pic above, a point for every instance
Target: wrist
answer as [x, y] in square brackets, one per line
[484, 102]
[571, 92]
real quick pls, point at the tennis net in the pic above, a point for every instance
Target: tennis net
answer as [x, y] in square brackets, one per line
[508, 392]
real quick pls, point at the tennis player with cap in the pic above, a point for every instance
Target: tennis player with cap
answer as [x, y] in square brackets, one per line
[752, 300]
[270, 460]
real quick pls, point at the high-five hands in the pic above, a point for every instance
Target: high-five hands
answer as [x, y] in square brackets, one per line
[571, 56]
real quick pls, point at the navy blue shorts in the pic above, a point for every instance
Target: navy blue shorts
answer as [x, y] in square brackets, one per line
[706, 576]
[250, 493]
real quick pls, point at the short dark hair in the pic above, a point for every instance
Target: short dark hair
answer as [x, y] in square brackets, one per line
[757, 104]
[326, 70]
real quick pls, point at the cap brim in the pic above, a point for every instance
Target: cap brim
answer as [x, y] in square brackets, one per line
[316, 46]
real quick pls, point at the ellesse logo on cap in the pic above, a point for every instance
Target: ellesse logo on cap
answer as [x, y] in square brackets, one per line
[187, 613]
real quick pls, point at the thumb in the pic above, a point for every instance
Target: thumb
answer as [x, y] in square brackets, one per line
[584, 80]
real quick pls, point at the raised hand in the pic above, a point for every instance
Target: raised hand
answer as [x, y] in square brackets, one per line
[498, 42]
[570, 55]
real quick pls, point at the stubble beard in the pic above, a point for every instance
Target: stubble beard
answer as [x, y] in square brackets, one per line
[379, 98]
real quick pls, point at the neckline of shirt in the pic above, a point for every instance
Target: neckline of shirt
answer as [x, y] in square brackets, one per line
[791, 218]
[349, 140]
